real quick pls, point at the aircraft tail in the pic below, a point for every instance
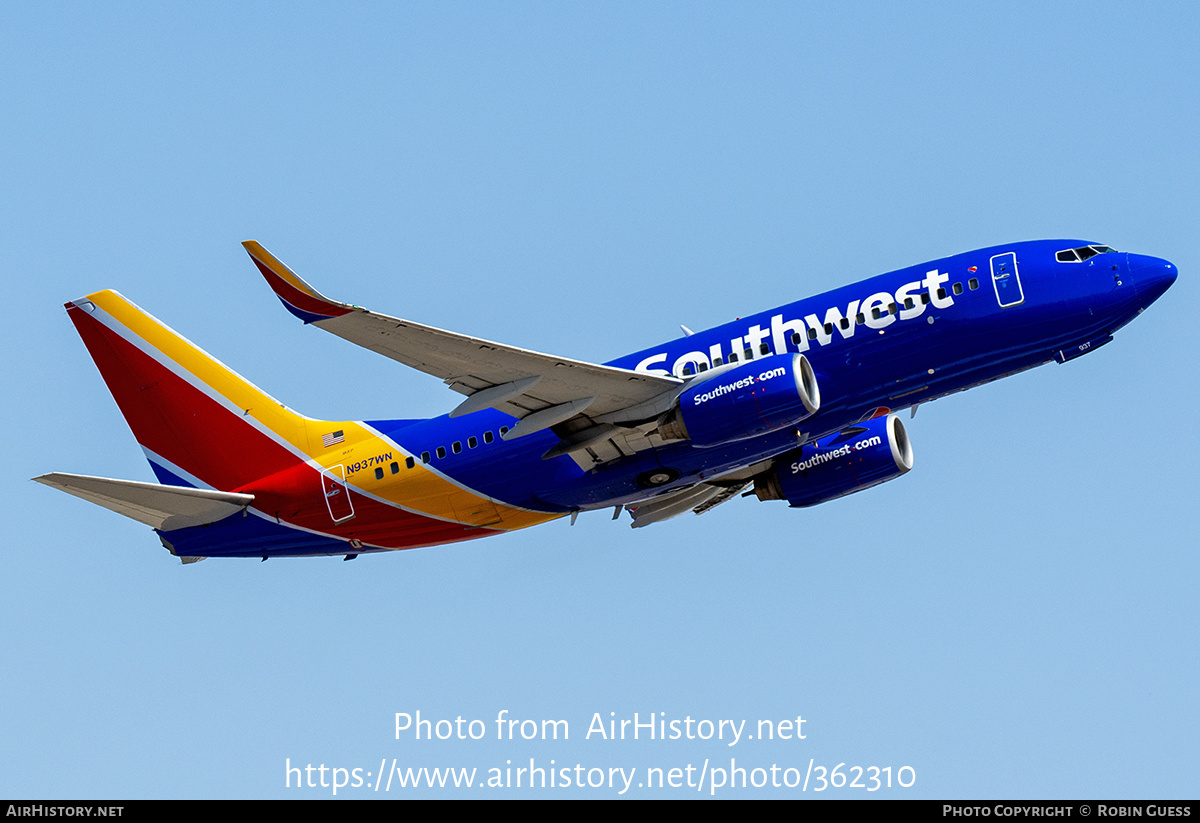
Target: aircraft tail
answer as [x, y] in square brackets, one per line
[200, 423]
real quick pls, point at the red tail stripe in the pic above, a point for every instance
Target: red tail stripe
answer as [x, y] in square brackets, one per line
[295, 297]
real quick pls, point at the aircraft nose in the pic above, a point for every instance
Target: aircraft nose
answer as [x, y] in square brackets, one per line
[1151, 275]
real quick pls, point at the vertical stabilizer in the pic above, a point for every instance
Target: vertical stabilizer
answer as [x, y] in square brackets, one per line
[199, 422]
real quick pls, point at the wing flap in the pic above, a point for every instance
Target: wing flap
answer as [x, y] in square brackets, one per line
[699, 498]
[671, 505]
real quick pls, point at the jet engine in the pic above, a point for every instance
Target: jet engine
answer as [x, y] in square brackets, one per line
[743, 401]
[854, 459]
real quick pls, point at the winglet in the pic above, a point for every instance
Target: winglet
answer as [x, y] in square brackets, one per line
[297, 296]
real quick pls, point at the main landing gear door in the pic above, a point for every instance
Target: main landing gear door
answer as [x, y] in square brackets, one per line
[1006, 280]
[337, 496]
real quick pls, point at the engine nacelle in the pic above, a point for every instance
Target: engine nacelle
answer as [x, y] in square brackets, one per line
[852, 460]
[747, 400]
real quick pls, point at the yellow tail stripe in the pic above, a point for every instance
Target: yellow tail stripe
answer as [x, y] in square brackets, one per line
[417, 489]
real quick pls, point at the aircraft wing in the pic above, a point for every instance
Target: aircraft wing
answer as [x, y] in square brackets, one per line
[699, 498]
[541, 389]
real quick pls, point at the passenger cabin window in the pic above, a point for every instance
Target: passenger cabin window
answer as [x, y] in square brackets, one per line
[487, 437]
[409, 462]
[973, 284]
[395, 467]
[424, 457]
[472, 442]
[379, 474]
[441, 452]
[456, 446]
[958, 289]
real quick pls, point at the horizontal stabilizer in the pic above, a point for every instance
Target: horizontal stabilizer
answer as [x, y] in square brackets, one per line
[163, 507]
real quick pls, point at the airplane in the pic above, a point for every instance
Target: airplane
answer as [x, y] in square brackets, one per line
[799, 403]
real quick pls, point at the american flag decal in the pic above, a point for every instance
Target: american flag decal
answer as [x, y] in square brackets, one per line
[333, 438]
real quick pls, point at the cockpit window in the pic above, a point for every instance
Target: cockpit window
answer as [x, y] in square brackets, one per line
[1082, 253]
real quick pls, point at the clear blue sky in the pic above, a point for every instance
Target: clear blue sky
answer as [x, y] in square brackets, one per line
[1014, 618]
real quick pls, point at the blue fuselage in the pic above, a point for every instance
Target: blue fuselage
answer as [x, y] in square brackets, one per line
[889, 342]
